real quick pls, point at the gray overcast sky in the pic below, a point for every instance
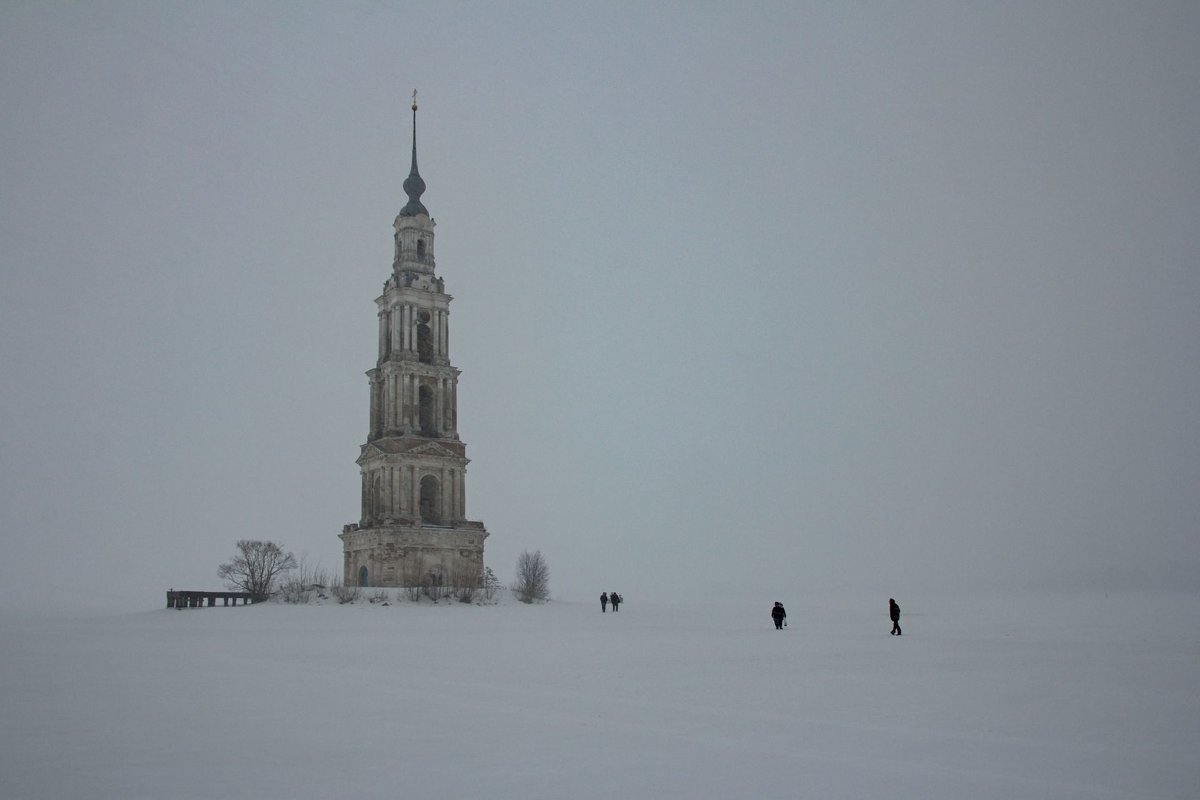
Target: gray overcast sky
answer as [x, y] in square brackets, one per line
[792, 298]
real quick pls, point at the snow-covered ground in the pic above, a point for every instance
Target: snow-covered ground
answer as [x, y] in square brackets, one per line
[1007, 698]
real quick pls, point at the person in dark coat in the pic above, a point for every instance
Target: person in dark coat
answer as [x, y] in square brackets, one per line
[615, 599]
[603, 602]
[894, 613]
[779, 615]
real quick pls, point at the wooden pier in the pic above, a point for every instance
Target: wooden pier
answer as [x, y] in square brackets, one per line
[200, 599]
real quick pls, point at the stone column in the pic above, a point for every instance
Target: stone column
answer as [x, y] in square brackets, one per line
[365, 497]
[444, 500]
[414, 399]
[401, 490]
[440, 333]
[396, 402]
[385, 492]
[376, 420]
[397, 492]
[396, 329]
[388, 409]
[462, 494]
[439, 401]
[414, 495]
[383, 329]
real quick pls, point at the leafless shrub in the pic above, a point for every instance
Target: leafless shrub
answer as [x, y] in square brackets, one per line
[467, 583]
[414, 590]
[305, 581]
[343, 593]
[533, 577]
[292, 591]
[378, 596]
[434, 587]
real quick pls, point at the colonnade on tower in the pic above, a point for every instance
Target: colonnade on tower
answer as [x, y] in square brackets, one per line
[413, 528]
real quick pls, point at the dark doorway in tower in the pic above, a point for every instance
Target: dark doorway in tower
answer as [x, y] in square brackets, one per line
[362, 576]
[427, 403]
[424, 339]
[430, 505]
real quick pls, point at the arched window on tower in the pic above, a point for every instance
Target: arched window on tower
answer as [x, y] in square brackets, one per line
[424, 339]
[420, 249]
[428, 404]
[430, 505]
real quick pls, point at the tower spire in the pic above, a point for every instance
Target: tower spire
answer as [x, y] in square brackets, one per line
[414, 186]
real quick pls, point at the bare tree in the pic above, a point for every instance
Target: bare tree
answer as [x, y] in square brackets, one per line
[533, 577]
[256, 567]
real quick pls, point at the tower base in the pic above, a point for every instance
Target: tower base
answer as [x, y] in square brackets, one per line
[400, 554]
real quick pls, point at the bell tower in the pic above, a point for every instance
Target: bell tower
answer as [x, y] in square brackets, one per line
[413, 529]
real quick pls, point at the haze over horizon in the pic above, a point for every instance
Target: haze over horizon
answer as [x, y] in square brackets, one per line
[781, 299]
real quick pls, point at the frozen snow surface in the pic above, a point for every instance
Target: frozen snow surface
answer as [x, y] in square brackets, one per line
[1066, 697]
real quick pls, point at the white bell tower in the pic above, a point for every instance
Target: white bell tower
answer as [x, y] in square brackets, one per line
[413, 529]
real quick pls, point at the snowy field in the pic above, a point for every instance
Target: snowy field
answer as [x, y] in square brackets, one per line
[1023, 698]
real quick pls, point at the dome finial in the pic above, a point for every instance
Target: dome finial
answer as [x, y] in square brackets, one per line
[413, 185]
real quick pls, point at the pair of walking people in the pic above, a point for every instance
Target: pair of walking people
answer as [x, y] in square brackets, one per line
[606, 598]
[779, 615]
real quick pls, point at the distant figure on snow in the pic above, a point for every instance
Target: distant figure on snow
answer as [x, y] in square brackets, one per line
[615, 599]
[779, 615]
[604, 602]
[894, 613]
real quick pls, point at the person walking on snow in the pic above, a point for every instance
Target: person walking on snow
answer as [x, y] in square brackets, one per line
[615, 599]
[894, 613]
[604, 602]
[779, 615]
